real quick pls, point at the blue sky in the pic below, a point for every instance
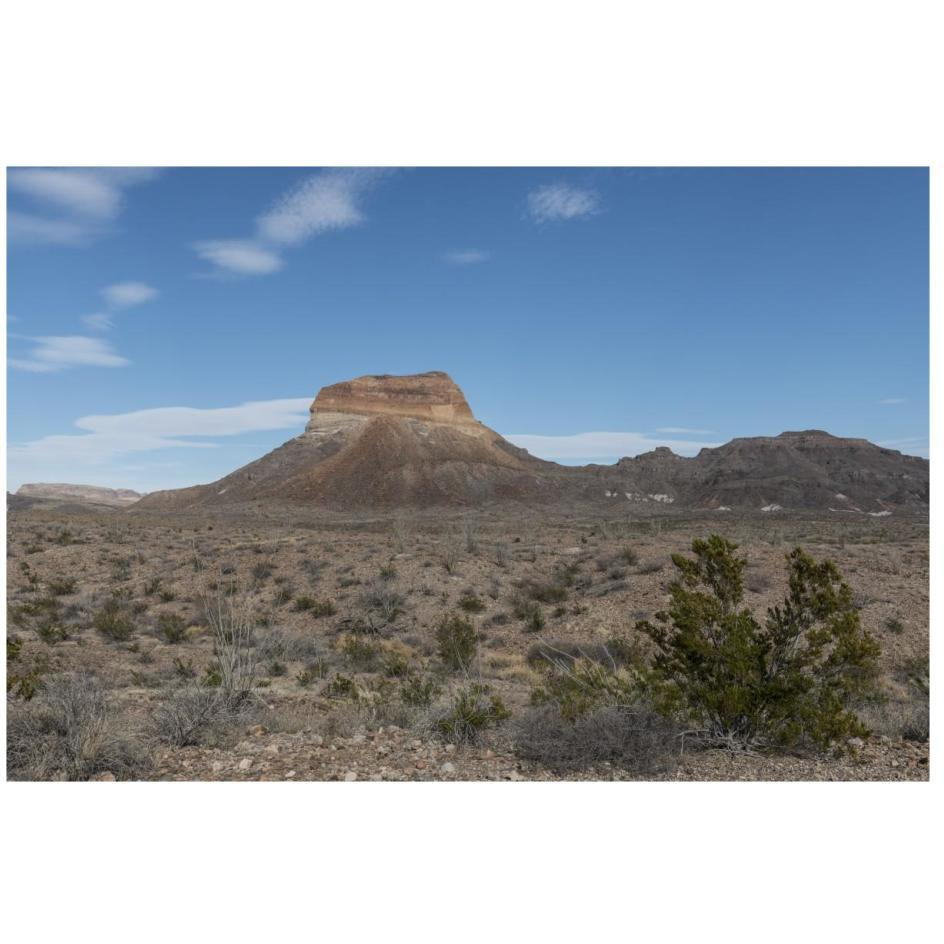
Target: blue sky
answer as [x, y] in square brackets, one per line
[168, 326]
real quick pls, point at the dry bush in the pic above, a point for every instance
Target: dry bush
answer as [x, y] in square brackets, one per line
[69, 731]
[197, 715]
[379, 597]
[231, 613]
[634, 737]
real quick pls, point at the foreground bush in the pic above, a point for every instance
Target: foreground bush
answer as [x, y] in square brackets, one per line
[793, 677]
[69, 731]
[197, 715]
[633, 737]
[472, 711]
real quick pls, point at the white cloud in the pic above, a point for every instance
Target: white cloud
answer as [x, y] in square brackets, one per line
[104, 438]
[128, 294]
[322, 202]
[892, 401]
[602, 445]
[241, 256]
[58, 353]
[684, 430]
[35, 230]
[466, 256]
[561, 202]
[83, 201]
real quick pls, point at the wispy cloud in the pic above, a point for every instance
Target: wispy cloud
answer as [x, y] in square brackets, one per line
[27, 229]
[329, 200]
[104, 438]
[69, 206]
[118, 297]
[50, 354]
[466, 256]
[561, 202]
[684, 430]
[240, 256]
[893, 401]
[97, 322]
[600, 445]
[910, 445]
[128, 294]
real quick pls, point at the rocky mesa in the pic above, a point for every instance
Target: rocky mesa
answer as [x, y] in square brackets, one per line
[382, 442]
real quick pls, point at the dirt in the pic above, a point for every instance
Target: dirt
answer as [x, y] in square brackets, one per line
[621, 567]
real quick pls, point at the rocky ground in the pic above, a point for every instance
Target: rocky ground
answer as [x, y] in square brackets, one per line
[120, 598]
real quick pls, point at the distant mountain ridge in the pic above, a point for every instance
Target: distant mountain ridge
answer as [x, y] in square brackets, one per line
[81, 494]
[387, 442]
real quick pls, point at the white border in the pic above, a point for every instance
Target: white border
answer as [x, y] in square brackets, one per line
[510, 84]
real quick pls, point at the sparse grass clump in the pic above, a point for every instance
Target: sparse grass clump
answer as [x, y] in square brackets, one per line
[473, 710]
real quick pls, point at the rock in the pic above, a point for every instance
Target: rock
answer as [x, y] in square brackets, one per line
[450, 748]
[856, 743]
[350, 776]
[290, 774]
[433, 396]
[245, 764]
[317, 740]
[447, 768]
[358, 739]
[106, 776]
[420, 764]
[216, 766]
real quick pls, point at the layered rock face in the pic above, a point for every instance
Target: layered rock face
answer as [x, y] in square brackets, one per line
[432, 396]
[382, 442]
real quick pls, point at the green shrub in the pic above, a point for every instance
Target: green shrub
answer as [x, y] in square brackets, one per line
[418, 692]
[342, 686]
[322, 608]
[470, 603]
[473, 710]
[52, 633]
[456, 642]
[318, 669]
[173, 627]
[894, 625]
[793, 677]
[62, 586]
[362, 653]
[113, 622]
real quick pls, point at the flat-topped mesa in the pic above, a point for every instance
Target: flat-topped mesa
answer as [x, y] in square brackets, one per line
[433, 397]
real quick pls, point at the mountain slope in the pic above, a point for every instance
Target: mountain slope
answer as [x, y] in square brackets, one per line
[382, 442]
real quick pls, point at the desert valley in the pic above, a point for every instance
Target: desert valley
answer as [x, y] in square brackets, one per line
[398, 593]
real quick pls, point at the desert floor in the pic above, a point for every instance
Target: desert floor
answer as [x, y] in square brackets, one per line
[344, 614]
